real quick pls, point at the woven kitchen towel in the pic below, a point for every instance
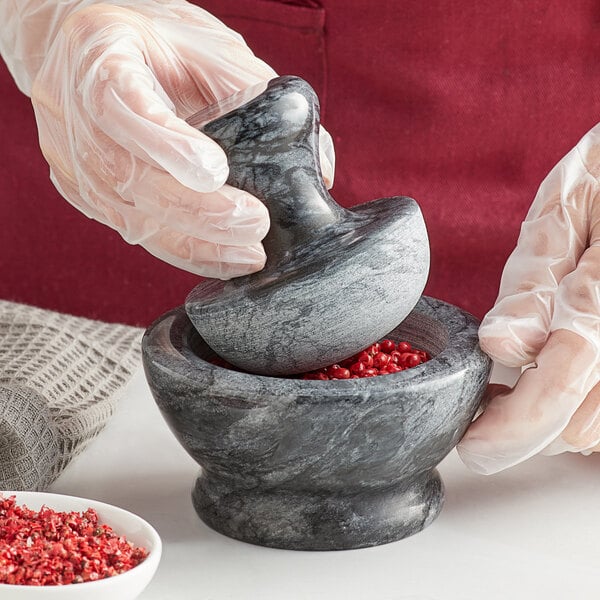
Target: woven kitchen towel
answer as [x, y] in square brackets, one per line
[60, 378]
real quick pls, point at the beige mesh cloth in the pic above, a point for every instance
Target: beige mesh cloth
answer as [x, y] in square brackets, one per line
[60, 378]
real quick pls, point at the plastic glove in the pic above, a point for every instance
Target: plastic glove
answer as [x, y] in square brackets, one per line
[111, 85]
[547, 313]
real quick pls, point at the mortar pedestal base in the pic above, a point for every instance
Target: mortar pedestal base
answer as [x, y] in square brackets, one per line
[302, 520]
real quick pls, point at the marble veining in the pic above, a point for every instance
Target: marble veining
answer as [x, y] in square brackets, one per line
[300, 464]
[336, 280]
[320, 465]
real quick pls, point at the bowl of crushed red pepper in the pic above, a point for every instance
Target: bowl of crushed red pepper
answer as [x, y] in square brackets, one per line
[57, 546]
[334, 459]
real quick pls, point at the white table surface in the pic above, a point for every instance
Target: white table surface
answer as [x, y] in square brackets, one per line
[530, 533]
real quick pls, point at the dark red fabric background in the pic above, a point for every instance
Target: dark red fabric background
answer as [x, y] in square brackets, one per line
[464, 106]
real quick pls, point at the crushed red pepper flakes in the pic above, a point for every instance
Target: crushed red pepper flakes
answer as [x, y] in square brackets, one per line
[47, 547]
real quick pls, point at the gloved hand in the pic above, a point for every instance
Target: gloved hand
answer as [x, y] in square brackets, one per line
[547, 313]
[111, 85]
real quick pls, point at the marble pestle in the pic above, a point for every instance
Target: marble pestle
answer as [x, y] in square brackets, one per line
[336, 280]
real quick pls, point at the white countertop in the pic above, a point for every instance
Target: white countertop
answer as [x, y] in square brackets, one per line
[530, 533]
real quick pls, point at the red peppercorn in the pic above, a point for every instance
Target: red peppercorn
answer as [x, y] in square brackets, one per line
[357, 368]
[365, 358]
[381, 359]
[387, 346]
[413, 360]
[373, 349]
[404, 357]
[331, 370]
[394, 356]
[341, 373]
[404, 347]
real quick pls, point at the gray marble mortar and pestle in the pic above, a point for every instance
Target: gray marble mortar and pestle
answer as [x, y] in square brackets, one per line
[303, 464]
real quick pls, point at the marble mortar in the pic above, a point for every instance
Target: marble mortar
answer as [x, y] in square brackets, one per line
[320, 465]
[336, 280]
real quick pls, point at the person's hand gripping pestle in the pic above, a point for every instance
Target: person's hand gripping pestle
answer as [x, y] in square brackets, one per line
[336, 280]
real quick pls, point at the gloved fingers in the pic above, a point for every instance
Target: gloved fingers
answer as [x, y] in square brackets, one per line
[583, 431]
[577, 306]
[205, 258]
[177, 248]
[53, 140]
[522, 422]
[180, 12]
[578, 310]
[219, 67]
[153, 199]
[131, 109]
[227, 67]
[553, 237]
[78, 167]
[226, 216]
[513, 332]
[90, 185]
[110, 96]
[327, 157]
[137, 199]
[118, 92]
[98, 200]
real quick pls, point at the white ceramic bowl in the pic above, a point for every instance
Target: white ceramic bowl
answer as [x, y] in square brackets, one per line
[125, 586]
